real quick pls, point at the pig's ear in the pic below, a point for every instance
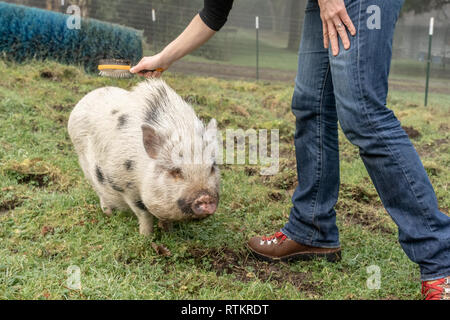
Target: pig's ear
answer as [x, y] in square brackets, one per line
[152, 141]
[212, 125]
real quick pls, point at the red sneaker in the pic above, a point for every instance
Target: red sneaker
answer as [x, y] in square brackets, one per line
[436, 289]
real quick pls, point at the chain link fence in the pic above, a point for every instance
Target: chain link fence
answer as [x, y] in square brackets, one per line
[233, 52]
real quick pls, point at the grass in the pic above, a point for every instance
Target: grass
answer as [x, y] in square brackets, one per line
[50, 217]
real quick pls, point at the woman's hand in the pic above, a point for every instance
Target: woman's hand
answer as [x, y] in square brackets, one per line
[156, 62]
[196, 34]
[335, 21]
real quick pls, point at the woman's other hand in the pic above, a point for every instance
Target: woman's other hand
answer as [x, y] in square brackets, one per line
[336, 22]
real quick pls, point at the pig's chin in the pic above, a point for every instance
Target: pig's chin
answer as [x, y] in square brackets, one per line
[189, 213]
[199, 216]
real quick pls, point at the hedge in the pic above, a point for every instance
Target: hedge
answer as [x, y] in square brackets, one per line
[31, 33]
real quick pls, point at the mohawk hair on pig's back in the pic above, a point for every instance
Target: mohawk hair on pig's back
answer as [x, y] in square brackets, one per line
[171, 117]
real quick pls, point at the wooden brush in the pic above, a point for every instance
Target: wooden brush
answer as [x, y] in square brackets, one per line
[118, 68]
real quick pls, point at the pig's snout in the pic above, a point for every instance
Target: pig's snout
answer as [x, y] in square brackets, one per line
[204, 205]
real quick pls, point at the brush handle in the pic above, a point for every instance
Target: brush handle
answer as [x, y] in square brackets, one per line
[157, 69]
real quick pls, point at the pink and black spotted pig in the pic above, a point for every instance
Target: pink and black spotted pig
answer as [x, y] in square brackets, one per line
[136, 149]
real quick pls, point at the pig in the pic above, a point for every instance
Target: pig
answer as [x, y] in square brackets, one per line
[136, 150]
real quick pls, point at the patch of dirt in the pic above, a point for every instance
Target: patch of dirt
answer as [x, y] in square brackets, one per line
[245, 268]
[285, 179]
[411, 132]
[275, 196]
[36, 179]
[431, 149]
[444, 127]
[272, 103]
[61, 108]
[47, 230]
[35, 172]
[161, 250]
[62, 119]
[251, 171]
[358, 194]
[363, 216]
[432, 169]
[357, 206]
[239, 110]
[47, 74]
[10, 204]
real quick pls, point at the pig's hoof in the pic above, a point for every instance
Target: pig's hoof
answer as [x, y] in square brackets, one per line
[167, 226]
[107, 211]
[145, 230]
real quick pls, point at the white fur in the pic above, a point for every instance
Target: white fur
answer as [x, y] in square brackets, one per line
[101, 142]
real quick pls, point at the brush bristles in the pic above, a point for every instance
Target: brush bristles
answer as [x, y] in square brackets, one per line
[120, 62]
[121, 74]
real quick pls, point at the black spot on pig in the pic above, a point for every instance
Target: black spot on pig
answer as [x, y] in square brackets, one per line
[122, 121]
[114, 112]
[114, 185]
[185, 207]
[99, 174]
[129, 165]
[141, 205]
[117, 188]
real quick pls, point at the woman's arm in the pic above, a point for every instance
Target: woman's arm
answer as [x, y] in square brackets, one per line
[200, 30]
[196, 34]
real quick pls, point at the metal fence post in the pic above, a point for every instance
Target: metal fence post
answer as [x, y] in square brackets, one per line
[429, 59]
[154, 30]
[257, 47]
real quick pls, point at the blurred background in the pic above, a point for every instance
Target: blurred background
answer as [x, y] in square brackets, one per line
[233, 52]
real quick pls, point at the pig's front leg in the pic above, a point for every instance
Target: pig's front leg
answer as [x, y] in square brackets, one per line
[144, 216]
[167, 226]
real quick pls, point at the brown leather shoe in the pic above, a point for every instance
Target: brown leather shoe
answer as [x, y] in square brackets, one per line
[280, 247]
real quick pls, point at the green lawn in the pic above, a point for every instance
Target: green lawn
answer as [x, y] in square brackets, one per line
[50, 218]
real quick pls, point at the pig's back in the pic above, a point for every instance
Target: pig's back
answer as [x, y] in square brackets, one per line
[107, 121]
[105, 125]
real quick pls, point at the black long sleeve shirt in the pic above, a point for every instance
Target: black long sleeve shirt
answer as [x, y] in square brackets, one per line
[215, 13]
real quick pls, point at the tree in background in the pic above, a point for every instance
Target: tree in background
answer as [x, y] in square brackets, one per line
[297, 14]
[419, 6]
[277, 8]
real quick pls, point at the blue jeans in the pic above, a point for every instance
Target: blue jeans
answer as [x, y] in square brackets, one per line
[352, 89]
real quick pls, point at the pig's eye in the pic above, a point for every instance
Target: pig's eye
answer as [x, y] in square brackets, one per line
[176, 173]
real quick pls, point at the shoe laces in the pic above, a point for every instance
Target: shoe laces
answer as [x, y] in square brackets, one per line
[434, 290]
[277, 238]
